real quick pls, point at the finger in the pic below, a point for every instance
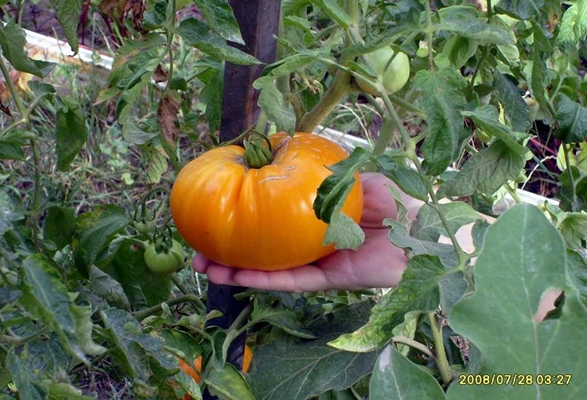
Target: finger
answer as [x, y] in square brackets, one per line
[200, 263]
[221, 275]
[301, 279]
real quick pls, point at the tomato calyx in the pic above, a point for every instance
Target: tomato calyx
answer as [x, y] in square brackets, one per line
[257, 154]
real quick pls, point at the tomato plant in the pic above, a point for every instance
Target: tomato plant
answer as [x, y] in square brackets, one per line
[493, 112]
[259, 218]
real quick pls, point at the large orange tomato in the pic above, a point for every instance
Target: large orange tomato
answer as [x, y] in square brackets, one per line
[259, 218]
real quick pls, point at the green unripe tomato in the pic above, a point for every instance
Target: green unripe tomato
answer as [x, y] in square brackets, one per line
[164, 260]
[393, 78]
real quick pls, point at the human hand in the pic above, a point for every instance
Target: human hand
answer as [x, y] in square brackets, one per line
[376, 263]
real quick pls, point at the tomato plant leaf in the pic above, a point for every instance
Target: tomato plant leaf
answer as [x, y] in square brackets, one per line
[520, 9]
[499, 317]
[59, 226]
[396, 377]
[334, 11]
[48, 299]
[463, 21]
[334, 189]
[516, 109]
[571, 118]
[487, 119]
[485, 171]
[573, 27]
[228, 384]
[156, 161]
[198, 34]
[429, 226]
[441, 101]
[94, 231]
[106, 287]
[26, 382]
[218, 14]
[68, 14]
[344, 232]
[285, 369]
[574, 229]
[408, 180]
[143, 287]
[280, 317]
[71, 131]
[418, 290]
[400, 236]
[274, 105]
[133, 348]
[577, 270]
[12, 42]
[211, 96]
[8, 213]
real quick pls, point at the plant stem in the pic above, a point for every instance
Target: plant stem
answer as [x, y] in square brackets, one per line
[566, 150]
[441, 360]
[186, 298]
[337, 91]
[412, 343]
[429, 34]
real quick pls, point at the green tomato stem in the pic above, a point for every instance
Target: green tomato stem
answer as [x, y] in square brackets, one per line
[442, 361]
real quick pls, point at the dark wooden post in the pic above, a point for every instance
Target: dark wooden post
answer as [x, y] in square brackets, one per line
[258, 21]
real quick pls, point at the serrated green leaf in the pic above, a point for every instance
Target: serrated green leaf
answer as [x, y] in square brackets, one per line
[522, 257]
[459, 50]
[48, 299]
[577, 273]
[334, 189]
[487, 119]
[143, 287]
[442, 101]
[218, 14]
[297, 370]
[23, 376]
[282, 318]
[274, 105]
[108, 288]
[396, 377]
[135, 349]
[156, 163]
[574, 229]
[12, 42]
[418, 290]
[571, 118]
[68, 14]
[197, 34]
[71, 131]
[485, 172]
[334, 11]
[516, 109]
[400, 236]
[211, 96]
[292, 63]
[408, 180]
[429, 226]
[59, 225]
[521, 9]
[344, 232]
[573, 27]
[95, 230]
[228, 384]
[8, 214]
[462, 21]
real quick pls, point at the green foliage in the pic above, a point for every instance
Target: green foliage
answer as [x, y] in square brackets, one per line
[495, 97]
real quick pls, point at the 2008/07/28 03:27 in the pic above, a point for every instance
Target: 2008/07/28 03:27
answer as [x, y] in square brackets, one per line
[515, 379]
